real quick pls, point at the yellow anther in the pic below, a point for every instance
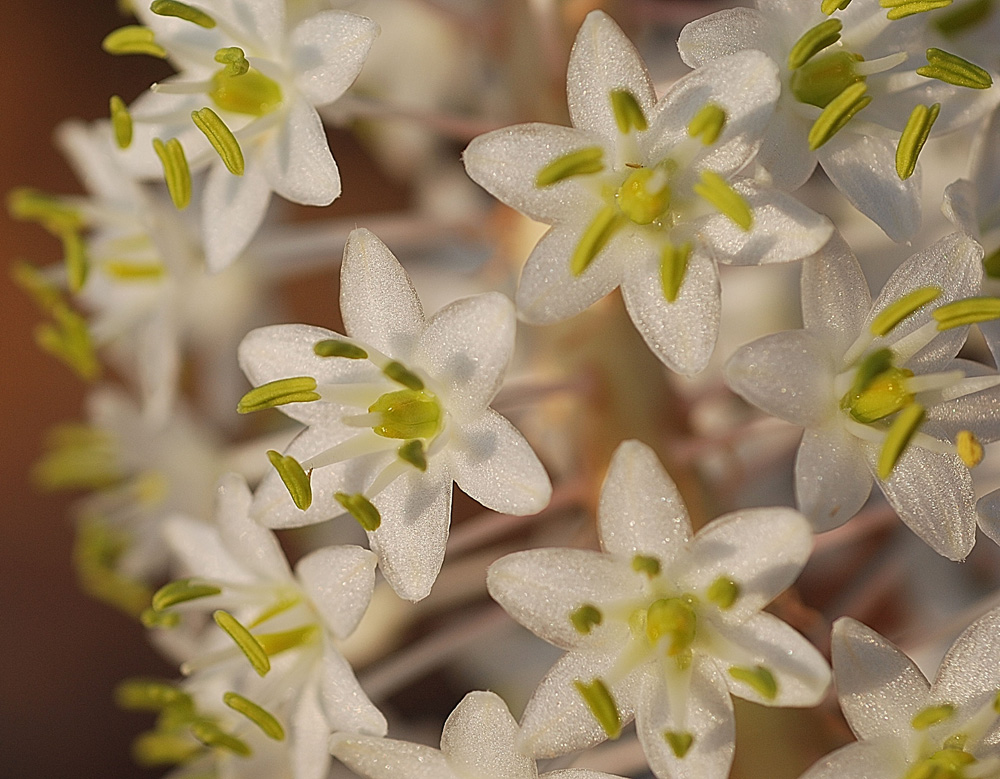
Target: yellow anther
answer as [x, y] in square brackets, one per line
[899, 9]
[50, 212]
[675, 619]
[915, 134]
[245, 640]
[159, 749]
[708, 123]
[952, 69]
[221, 138]
[969, 448]
[716, 190]
[155, 620]
[235, 60]
[407, 414]
[582, 162]
[901, 432]
[151, 695]
[813, 41]
[133, 39]
[123, 270]
[211, 735]
[585, 618]
[68, 339]
[673, 268]
[362, 509]
[258, 715]
[644, 196]
[723, 592]
[294, 477]
[251, 92]
[297, 389]
[38, 286]
[838, 113]
[97, 551]
[963, 17]
[932, 715]
[595, 238]
[759, 678]
[333, 347]
[175, 171]
[182, 11]
[121, 122]
[896, 312]
[182, 591]
[75, 257]
[400, 374]
[602, 706]
[829, 6]
[628, 113]
[969, 311]
[647, 565]
[414, 453]
[680, 743]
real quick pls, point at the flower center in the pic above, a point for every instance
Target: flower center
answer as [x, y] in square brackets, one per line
[879, 389]
[823, 78]
[250, 93]
[407, 414]
[943, 764]
[644, 195]
[675, 620]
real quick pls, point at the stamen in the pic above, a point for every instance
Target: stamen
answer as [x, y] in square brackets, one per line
[235, 60]
[966, 312]
[900, 9]
[181, 591]
[708, 123]
[51, 213]
[413, 452]
[898, 438]
[151, 695]
[829, 6]
[598, 699]
[679, 743]
[963, 17]
[723, 592]
[400, 374]
[932, 715]
[335, 348]
[258, 715]
[133, 39]
[585, 618]
[728, 201]
[952, 69]
[628, 113]
[673, 267]
[97, 551]
[221, 138]
[68, 338]
[294, 477]
[362, 509]
[838, 113]
[182, 11]
[245, 640]
[157, 749]
[134, 271]
[915, 134]
[175, 171]
[896, 312]
[121, 122]
[211, 735]
[75, 251]
[297, 389]
[813, 41]
[581, 162]
[969, 448]
[594, 239]
[647, 565]
[759, 678]
[153, 619]
[276, 643]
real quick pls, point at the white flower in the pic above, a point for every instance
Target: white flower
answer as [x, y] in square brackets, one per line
[646, 194]
[879, 392]
[849, 89]
[661, 625]
[478, 742]
[907, 728]
[397, 411]
[262, 81]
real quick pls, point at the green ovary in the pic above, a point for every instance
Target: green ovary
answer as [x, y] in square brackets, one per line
[644, 196]
[251, 93]
[823, 78]
[675, 619]
[885, 395]
[407, 414]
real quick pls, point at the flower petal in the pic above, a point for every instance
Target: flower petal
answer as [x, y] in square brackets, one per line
[344, 702]
[296, 158]
[478, 740]
[785, 151]
[310, 732]
[832, 478]
[328, 50]
[721, 34]
[200, 552]
[232, 210]
[386, 758]
[882, 760]
[835, 296]
[251, 544]
[970, 672]
[339, 580]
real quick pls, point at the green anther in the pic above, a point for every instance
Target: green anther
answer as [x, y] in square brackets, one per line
[723, 592]
[901, 432]
[414, 453]
[175, 171]
[158, 749]
[211, 735]
[708, 123]
[251, 93]
[151, 695]
[181, 591]
[829, 6]
[276, 643]
[75, 255]
[644, 195]
[221, 138]
[585, 618]
[598, 698]
[594, 238]
[334, 348]
[122, 270]
[407, 414]
[952, 69]
[79, 457]
[673, 267]
[245, 640]
[820, 80]
[121, 122]
[133, 39]
[966, 312]
[97, 550]
[915, 134]
[400, 374]
[943, 764]
[647, 565]
[900, 9]
[991, 264]
[759, 678]
[963, 17]
[294, 477]
[362, 509]
[68, 339]
[297, 389]
[155, 620]
[36, 284]
[838, 113]
[235, 60]
[813, 41]
[932, 715]
[628, 113]
[182, 11]
[896, 312]
[679, 743]
[258, 715]
[675, 619]
[582, 162]
[716, 190]
[51, 213]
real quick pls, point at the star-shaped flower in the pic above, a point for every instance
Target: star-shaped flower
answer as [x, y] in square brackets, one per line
[646, 194]
[907, 728]
[662, 625]
[397, 411]
[478, 742]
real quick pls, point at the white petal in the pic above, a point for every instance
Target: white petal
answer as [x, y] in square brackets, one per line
[785, 151]
[721, 34]
[861, 761]
[344, 702]
[232, 211]
[835, 296]
[983, 168]
[201, 553]
[988, 513]
[328, 50]
[384, 758]
[493, 463]
[880, 688]
[970, 673]
[309, 736]
[377, 300]
[249, 543]
[339, 580]
[261, 19]
[92, 153]
[641, 512]
[296, 158]
[832, 478]
[478, 740]
[959, 207]
[683, 333]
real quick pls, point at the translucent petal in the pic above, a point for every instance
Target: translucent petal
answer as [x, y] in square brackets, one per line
[344, 702]
[970, 672]
[309, 735]
[251, 544]
[883, 760]
[297, 160]
[832, 478]
[232, 210]
[983, 167]
[478, 740]
[328, 50]
[835, 297]
[200, 552]
[721, 34]
[988, 512]
[91, 152]
[339, 580]
[785, 151]
[384, 758]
